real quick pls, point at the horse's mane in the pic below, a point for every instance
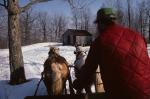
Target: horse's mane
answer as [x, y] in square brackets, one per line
[54, 58]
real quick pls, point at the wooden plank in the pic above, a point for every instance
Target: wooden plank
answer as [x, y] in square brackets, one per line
[57, 97]
[83, 96]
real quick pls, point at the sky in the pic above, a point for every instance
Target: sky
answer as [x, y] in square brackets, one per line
[59, 6]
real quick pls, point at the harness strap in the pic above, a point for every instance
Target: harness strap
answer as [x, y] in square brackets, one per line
[42, 77]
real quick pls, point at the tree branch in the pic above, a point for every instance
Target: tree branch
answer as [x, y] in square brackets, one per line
[75, 4]
[32, 2]
[71, 4]
[4, 5]
[147, 12]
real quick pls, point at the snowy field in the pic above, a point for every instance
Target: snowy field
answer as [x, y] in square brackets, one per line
[34, 57]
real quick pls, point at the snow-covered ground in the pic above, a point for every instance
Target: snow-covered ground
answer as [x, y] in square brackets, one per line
[34, 57]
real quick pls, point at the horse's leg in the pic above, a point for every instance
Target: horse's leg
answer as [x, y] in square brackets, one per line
[65, 89]
[79, 91]
[70, 85]
[57, 85]
[88, 89]
[64, 86]
[91, 82]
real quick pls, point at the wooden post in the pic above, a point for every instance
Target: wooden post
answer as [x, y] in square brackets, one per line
[98, 82]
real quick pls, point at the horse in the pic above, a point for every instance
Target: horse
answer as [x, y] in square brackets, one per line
[55, 72]
[95, 79]
[80, 59]
[78, 63]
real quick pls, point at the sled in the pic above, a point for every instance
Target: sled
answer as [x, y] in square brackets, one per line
[81, 96]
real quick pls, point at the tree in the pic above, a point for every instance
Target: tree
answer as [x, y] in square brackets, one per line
[81, 13]
[75, 18]
[79, 4]
[3, 28]
[17, 73]
[27, 22]
[129, 13]
[43, 22]
[141, 15]
[120, 13]
[148, 18]
[57, 27]
[81, 18]
[86, 16]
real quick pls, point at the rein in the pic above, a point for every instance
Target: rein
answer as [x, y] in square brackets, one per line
[42, 77]
[46, 72]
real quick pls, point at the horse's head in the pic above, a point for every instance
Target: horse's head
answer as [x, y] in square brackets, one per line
[79, 51]
[53, 50]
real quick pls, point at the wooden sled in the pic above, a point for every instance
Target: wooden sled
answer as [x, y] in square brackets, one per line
[81, 96]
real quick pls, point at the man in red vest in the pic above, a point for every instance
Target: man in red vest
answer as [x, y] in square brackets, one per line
[122, 56]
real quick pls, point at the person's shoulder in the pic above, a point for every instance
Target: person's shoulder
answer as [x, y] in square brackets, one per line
[115, 28]
[130, 30]
[119, 26]
[127, 29]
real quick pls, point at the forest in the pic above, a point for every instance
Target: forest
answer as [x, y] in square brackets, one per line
[40, 26]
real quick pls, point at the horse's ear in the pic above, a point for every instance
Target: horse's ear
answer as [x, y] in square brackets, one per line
[50, 49]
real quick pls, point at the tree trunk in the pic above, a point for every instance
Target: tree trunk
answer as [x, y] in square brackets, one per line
[44, 34]
[27, 30]
[129, 13]
[17, 74]
[149, 30]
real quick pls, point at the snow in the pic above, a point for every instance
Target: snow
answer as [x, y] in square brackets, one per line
[34, 57]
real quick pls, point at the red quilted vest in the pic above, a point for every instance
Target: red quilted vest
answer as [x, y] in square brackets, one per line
[124, 62]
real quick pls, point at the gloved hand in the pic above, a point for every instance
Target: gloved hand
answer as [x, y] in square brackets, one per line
[77, 85]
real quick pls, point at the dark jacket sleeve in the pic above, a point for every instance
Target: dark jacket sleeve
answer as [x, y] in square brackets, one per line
[91, 64]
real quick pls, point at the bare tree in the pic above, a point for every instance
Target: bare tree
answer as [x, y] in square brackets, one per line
[79, 4]
[58, 26]
[141, 15]
[120, 12]
[75, 17]
[81, 18]
[86, 18]
[148, 18]
[80, 13]
[129, 12]
[17, 74]
[3, 28]
[27, 21]
[43, 19]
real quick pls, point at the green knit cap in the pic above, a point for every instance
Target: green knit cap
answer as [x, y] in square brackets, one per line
[105, 13]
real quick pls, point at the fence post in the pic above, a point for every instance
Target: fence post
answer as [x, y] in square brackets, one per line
[98, 81]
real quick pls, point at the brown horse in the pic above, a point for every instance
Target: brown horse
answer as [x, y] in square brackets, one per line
[55, 72]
